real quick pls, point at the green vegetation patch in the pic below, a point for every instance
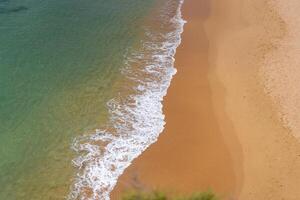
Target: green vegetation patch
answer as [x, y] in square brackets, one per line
[156, 195]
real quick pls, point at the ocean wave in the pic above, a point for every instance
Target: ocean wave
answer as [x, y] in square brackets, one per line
[136, 116]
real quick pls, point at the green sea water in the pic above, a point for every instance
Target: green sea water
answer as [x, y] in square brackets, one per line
[60, 61]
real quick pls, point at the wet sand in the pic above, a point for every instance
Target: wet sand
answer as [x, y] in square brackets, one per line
[191, 153]
[223, 132]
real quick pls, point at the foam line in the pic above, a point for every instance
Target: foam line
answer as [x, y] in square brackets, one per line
[136, 119]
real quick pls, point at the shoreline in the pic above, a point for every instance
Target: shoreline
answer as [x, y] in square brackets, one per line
[222, 129]
[156, 167]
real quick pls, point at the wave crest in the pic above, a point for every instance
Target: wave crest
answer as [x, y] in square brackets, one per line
[136, 116]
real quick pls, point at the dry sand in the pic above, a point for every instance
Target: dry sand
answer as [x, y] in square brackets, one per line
[223, 132]
[281, 67]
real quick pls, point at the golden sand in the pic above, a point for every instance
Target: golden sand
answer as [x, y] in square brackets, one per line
[223, 132]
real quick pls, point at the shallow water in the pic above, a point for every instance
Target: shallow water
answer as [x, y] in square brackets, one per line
[135, 114]
[60, 63]
[68, 68]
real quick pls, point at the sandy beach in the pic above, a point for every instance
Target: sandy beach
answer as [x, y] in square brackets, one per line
[223, 131]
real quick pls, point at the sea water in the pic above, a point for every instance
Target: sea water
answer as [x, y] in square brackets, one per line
[81, 90]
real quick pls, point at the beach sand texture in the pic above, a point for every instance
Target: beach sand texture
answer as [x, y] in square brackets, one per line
[223, 130]
[282, 67]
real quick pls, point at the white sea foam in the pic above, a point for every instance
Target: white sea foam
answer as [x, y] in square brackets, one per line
[136, 117]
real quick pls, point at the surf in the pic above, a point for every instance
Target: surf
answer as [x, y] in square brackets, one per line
[136, 116]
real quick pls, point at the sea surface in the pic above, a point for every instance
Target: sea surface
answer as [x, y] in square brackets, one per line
[81, 90]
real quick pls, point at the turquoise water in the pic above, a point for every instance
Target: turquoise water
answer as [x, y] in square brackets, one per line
[60, 63]
[136, 117]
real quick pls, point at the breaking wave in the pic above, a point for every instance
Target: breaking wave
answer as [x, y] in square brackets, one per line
[135, 116]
